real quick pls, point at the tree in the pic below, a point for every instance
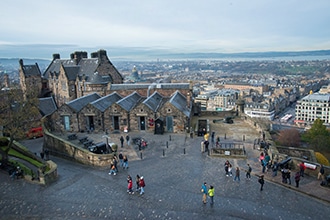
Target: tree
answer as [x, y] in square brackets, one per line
[317, 136]
[18, 113]
[289, 137]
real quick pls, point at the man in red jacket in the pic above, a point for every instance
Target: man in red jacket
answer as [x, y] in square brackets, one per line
[302, 168]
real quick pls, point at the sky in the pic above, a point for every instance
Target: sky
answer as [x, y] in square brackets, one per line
[40, 28]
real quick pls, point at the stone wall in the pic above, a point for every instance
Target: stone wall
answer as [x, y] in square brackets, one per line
[63, 148]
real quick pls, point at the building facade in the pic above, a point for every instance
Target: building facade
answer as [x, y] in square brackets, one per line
[311, 107]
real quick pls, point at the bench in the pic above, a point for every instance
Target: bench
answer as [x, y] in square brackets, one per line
[72, 136]
[83, 139]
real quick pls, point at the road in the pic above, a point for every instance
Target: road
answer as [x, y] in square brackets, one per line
[173, 176]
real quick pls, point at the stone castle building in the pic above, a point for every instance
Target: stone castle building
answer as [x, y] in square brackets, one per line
[89, 95]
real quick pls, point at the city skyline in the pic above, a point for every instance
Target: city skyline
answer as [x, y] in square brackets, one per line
[39, 28]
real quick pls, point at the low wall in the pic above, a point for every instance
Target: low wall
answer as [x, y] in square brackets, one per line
[63, 148]
[222, 152]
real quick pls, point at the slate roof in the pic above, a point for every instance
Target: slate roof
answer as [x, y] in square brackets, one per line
[98, 79]
[47, 106]
[86, 67]
[105, 102]
[147, 85]
[55, 66]
[81, 102]
[154, 101]
[130, 101]
[71, 72]
[317, 96]
[31, 70]
[180, 102]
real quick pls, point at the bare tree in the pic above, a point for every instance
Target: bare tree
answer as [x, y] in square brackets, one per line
[18, 113]
[289, 137]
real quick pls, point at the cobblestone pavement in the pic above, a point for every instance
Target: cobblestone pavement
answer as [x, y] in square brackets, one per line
[174, 170]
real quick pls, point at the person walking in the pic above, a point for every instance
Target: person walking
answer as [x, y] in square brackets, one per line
[206, 144]
[142, 185]
[274, 169]
[137, 181]
[227, 167]
[321, 173]
[127, 139]
[121, 141]
[297, 179]
[248, 172]
[121, 159]
[125, 161]
[262, 182]
[230, 168]
[129, 185]
[112, 169]
[115, 162]
[211, 194]
[237, 174]
[288, 176]
[204, 191]
[302, 168]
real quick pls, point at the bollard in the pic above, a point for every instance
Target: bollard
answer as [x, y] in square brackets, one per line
[141, 155]
[170, 137]
[184, 150]
[166, 144]
[163, 152]
[243, 137]
[225, 136]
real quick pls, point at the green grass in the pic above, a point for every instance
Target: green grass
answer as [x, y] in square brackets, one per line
[35, 163]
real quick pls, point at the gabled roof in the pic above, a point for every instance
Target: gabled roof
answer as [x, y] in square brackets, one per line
[130, 101]
[71, 72]
[105, 102]
[31, 70]
[81, 102]
[180, 102]
[88, 65]
[153, 101]
[55, 66]
[47, 106]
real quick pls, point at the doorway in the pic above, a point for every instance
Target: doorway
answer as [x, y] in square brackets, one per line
[116, 122]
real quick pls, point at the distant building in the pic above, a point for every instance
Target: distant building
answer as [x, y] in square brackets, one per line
[203, 101]
[225, 99]
[30, 78]
[260, 110]
[311, 107]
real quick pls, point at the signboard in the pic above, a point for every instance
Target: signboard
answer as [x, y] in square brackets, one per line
[310, 166]
[227, 152]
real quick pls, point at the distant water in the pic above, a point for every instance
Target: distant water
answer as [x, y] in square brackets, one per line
[293, 58]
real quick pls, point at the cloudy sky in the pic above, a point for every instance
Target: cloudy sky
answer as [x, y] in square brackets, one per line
[224, 26]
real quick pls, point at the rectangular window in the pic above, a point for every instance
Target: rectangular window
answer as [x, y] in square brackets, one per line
[66, 122]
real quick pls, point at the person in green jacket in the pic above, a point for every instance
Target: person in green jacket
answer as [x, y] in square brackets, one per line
[211, 194]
